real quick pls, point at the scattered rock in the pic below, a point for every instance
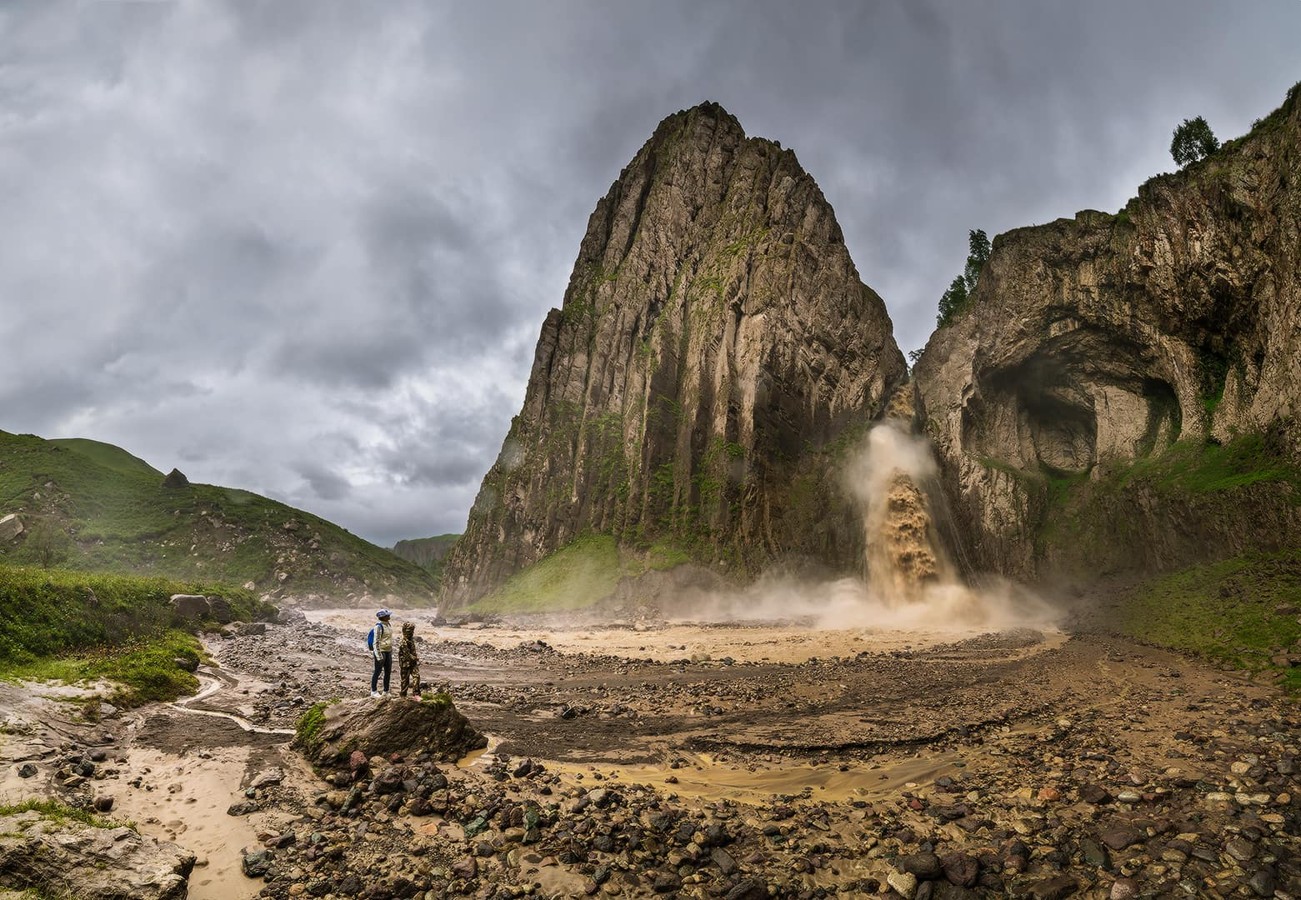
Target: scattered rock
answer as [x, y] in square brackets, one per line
[64, 857]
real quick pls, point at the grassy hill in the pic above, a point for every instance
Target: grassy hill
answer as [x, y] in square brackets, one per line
[91, 506]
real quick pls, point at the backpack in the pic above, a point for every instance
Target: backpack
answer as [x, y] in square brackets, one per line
[370, 639]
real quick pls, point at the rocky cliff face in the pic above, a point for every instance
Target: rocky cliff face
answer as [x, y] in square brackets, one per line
[714, 340]
[1126, 390]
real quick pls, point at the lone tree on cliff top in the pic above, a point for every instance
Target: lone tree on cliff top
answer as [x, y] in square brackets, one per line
[955, 298]
[1193, 140]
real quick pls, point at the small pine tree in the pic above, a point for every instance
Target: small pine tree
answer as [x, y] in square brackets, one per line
[1193, 141]
[952, 301]
[978, 255]
[962, 286]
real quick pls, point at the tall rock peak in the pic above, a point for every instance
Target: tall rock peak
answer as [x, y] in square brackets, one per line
[713, 339]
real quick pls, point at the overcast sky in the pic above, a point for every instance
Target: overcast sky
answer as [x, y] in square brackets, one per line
[305, 248]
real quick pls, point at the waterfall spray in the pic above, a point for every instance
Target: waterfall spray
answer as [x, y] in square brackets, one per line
[904, 556]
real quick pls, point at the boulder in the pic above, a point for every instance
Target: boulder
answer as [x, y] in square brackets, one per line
[62, 857]
[176, 479]
[191, 607]
[10, 527]
[368, 728]
[287, 615]
[220, 610]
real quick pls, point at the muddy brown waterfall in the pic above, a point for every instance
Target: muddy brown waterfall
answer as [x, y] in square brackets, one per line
[903, 552]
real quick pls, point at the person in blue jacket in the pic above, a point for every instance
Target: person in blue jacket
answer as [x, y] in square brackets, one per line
[380, 641]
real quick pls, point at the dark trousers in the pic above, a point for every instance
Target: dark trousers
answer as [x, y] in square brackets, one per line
[383, 664]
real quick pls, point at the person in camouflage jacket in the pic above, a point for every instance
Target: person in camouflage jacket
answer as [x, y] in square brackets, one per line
[409, 660]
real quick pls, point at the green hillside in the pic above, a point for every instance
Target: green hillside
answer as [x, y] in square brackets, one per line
[91, 506]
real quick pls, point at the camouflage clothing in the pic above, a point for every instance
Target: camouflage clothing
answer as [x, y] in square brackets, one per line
[408, 661]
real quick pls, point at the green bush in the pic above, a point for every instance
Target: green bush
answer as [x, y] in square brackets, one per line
[1193, 140]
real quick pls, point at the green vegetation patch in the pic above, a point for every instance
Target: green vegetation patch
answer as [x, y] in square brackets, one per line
[575, 576]
[307, 731]
[78, 626]
[440, 700]
[45, 613]
[1240, 612]
[146, 670]
[59, 812]
[1203, 468]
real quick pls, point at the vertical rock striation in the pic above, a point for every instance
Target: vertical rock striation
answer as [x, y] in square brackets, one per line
[1147, 362]
[714, 337]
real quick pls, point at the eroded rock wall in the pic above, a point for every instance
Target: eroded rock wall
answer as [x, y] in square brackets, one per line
[714, 337]
[1095, 342]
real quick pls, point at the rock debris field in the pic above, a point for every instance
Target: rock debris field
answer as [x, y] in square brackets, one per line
[697, 761]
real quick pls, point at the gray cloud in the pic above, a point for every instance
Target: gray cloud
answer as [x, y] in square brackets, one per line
[305, 247]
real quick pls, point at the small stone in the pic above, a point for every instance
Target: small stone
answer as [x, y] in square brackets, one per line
[926, 866]
[1240, 849]
[1120, 837]
[1054, 888]
[960, 869]
[1095, 794]
[103, 803]
[1124, 889]
[1094, 853]
[904, 883]
[257, 863]
[26, 770]
[1263, 882]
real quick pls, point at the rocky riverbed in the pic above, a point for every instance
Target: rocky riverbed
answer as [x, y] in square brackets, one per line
[710, 761]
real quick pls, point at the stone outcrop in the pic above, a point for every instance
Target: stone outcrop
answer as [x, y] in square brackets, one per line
[714, 337]
[10, 527]
[176, 479]
[349, 732]
[57, 857]
[1106, 360]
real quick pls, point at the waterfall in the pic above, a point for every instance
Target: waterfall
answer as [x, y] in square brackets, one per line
[904, 555]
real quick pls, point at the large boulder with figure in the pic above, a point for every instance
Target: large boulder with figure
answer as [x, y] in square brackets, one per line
[340, 734]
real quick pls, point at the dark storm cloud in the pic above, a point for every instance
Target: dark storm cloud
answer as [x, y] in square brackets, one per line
[305, 248]
[324, 484]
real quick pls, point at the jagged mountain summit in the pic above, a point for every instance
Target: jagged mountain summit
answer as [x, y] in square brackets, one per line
[714, 339]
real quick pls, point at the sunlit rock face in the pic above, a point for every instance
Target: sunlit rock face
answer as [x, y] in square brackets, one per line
[1097, 341]
[714, 334]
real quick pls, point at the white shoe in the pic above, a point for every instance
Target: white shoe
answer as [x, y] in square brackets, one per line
[374, 694]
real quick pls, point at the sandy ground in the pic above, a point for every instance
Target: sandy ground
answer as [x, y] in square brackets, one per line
[665, 642]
